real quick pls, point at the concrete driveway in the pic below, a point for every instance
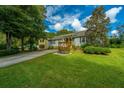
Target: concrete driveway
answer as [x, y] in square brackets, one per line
[14, 59]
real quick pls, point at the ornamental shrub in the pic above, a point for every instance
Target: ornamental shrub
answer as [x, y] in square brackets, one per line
[96, 50]
[8, 52]
[84, 45]
[2, 46]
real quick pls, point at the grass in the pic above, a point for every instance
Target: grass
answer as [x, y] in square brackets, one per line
[2, 38]
[75, 70]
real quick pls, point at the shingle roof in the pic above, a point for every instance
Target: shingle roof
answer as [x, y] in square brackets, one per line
[73, 35]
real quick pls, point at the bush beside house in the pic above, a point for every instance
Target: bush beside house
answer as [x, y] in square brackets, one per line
[84, 45]
[50, 47]
[96, 50]
[8, 52]
[64, 50]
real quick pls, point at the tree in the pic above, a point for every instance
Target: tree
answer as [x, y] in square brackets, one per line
[22, 26]
[51, 34]
[37, 14]
[63, 32]
[22, 22]
[7, 14]
[34, 27]
[97, 27]
[21, 33]
[121, 32]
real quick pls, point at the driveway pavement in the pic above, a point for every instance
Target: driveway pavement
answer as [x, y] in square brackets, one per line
[14, 59]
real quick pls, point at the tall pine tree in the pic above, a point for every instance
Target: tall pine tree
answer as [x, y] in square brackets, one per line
[97, 27]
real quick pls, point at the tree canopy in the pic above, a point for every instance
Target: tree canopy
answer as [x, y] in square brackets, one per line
[22, 22]
[121, 32]
[63, 32]
[97, 27]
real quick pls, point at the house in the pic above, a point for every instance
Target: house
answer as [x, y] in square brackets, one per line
[42, 44]
[76, 39]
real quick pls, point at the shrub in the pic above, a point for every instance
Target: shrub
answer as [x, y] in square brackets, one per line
[115, 46]
[75, 47]
[122, 45]
[96, 50]
[115, 43]
[64, 50]
[50, 47]
[8, 52]
[2, 46]
[84, 45]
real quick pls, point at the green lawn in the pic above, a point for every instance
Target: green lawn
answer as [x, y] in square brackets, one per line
[75, 70]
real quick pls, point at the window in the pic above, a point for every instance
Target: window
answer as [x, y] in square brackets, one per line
[53, 42]
[42, 40]
[82, 39]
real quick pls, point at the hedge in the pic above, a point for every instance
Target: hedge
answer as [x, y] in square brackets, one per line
[2, 46]
[96, 50]
[84, 45]
[8, 52]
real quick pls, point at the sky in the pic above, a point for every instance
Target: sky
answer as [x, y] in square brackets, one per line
[73, 17]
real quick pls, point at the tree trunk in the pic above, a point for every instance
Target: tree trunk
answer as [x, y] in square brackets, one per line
[22, 43]
[31, 44]
[8, 40]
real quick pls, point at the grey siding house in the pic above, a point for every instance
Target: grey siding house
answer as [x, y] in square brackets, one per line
[76, 39]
